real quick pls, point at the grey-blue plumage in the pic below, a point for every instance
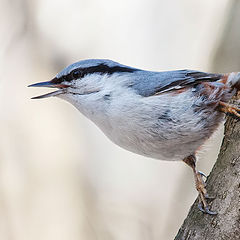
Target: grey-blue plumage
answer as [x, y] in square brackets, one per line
[148, 83]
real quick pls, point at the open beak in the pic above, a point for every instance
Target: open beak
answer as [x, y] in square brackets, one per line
[50, 84]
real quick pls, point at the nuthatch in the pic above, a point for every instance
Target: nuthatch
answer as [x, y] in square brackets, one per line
[163, 115]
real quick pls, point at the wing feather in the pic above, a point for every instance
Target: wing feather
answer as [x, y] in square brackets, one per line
[154, 83]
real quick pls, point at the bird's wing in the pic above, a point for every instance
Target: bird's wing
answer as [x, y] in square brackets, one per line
[154, 83]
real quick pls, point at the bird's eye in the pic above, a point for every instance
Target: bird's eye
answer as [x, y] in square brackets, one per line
[76, 74]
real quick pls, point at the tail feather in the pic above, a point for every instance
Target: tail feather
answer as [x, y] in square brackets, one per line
[233, 80]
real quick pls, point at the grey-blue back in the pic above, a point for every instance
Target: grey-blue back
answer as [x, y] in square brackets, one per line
[147, 83]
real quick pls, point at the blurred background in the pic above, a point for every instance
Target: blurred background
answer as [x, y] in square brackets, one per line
[60, 177]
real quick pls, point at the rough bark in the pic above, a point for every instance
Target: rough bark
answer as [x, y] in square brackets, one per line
[224, 184]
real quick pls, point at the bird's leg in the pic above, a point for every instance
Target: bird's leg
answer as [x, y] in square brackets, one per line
[200, 185]
[228, 108]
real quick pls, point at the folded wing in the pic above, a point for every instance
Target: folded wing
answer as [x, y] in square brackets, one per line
[154, 83]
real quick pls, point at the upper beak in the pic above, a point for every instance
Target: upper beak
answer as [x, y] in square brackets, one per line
[50, 84]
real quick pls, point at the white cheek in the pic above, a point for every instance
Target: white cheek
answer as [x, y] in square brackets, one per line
[91, 81]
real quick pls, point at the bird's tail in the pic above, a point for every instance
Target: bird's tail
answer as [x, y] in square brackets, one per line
[233, 80]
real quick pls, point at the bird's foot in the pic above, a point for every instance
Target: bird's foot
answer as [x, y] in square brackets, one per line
[200, 185]
[228, 108]
[203, 195]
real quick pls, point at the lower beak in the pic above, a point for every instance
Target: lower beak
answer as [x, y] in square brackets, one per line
[50, 84]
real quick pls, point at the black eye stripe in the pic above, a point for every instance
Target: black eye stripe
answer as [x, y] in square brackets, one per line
[101, 68]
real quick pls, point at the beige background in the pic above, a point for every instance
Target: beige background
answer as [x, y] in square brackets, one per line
[60, 177]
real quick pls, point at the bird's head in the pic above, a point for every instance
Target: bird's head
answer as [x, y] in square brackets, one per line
[83, 78]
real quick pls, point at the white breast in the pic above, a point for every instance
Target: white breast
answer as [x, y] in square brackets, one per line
[165, 127]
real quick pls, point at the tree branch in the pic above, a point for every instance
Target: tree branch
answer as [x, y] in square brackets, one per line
[224, 184]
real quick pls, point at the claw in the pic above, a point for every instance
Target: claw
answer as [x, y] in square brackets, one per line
[210, 212]
[200, 207]
[202, 174]
[206, 210]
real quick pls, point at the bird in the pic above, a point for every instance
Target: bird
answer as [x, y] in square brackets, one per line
[165, 115]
